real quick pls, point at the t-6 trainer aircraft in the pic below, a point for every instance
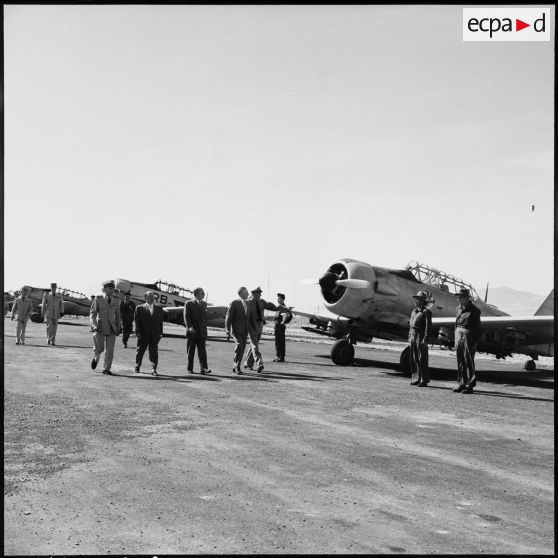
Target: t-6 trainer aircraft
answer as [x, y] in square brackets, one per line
[172, 298]
[370, 301]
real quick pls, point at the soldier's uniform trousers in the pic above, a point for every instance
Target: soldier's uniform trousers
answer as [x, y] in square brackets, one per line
[21, 325]
[419, 358]
[127, 328]
[254, 355]
[99, 342]
[51, 327]
[280, 340]
[465, 352]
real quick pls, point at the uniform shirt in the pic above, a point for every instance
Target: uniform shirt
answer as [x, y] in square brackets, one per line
[281, 314]
[127, 310]
[421, 321]
[469, 318]
[23, 308]
[53, 305]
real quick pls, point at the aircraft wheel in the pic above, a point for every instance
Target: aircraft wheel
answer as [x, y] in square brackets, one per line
[405, 361]
[342, 352]
[530, 365]
[37, 318]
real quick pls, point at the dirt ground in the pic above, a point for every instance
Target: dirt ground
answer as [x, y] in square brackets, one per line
[307, 457]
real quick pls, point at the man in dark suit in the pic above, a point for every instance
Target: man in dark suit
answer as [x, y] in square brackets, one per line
[148, 319]
[195, 319]
[238, 319]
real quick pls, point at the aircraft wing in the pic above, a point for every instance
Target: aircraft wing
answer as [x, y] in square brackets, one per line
[215, 315]
[326, 324]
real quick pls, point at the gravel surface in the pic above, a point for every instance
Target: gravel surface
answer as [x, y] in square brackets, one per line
[307, 457]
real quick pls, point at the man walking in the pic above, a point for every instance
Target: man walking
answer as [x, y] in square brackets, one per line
[195, 319]
[255, 328]
[148, 318]
[237, 319]
[23, 308]
[127, 311]
[51, 310]
[105, 322]
[467, 337]
[283, 316]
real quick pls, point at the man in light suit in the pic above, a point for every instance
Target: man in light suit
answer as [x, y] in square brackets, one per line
[195, 319]
[23, 308]
[51, 309]
[257, 306]
[105, 322]
[148, 318]
[238, 318]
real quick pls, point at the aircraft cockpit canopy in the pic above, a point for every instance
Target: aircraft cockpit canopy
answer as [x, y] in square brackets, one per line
[173, 289]
[439, 279]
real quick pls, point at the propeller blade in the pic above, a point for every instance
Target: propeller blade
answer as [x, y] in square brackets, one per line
[353, 283]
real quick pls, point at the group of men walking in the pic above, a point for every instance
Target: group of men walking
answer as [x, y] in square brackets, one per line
[244, 320]
[467, 337]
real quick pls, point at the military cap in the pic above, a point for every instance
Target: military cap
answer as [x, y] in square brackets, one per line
[463, 292]
[422, 295]
[108, 284]
[281, 295]
[256, 290]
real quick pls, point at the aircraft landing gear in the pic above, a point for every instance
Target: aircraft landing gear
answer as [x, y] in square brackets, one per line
[405, 362]
[530, 365]
[37, 318]
[343, 352]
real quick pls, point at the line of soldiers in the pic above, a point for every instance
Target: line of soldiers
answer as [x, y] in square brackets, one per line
[467, 337]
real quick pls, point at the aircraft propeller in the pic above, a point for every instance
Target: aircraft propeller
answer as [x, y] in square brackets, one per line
[329, 280]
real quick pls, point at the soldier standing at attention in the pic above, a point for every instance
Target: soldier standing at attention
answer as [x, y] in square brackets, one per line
[283, 316]
[51, 309]
[105, 322]
[23, 307]
[467, 337]
[420, 325]
[127, 310]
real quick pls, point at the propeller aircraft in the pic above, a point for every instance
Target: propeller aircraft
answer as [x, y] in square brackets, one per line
[172, 298]
[369, 301]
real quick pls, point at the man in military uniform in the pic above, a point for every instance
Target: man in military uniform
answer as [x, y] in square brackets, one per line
[420, 325]
[283, 316]
[127, 309]
[105, 322]
[467, 337]
[51, 309]
[257, 308]
[23, 308]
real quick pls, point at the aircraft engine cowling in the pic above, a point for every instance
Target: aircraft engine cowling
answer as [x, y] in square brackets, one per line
[344, 299]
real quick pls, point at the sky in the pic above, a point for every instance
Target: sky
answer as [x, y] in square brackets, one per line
[221, 146]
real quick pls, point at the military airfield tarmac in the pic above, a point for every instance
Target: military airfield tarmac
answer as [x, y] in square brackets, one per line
[307, 457]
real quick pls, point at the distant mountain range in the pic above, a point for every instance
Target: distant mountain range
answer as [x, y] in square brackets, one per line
[519, 303]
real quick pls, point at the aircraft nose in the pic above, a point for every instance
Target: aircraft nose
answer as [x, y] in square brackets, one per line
[327, 281]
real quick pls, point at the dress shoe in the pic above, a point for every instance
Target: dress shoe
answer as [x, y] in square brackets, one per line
[53, 343]
[189, 371]
[237, 371]
[248, 367]
[137, 369]
[422, 384]
[207, 370]
[49, 342]
[260, 368]
[22, 342]
[459, 389]
[125, 345]
[281, 359]
[154, 372]
[93, 364]
[108, 373]
[17, 342]
[415, 383]
[467, 390]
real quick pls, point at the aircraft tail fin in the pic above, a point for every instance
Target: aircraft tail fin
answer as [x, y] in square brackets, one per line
[547, 307]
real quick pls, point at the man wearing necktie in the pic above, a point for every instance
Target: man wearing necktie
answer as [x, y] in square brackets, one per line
[257, 307]
[237, 319]
[148, 319]
[195, 320]
[106, 325]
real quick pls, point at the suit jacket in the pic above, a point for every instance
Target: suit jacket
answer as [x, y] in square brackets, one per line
[53, 305]
[104, 318]
[195, 316]
[237, 319]
[257, 308]
[148, 327]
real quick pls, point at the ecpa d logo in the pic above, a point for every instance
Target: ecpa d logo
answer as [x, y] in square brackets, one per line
[506, 24]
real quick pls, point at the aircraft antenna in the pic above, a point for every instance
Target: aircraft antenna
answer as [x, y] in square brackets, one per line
[486, 293]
